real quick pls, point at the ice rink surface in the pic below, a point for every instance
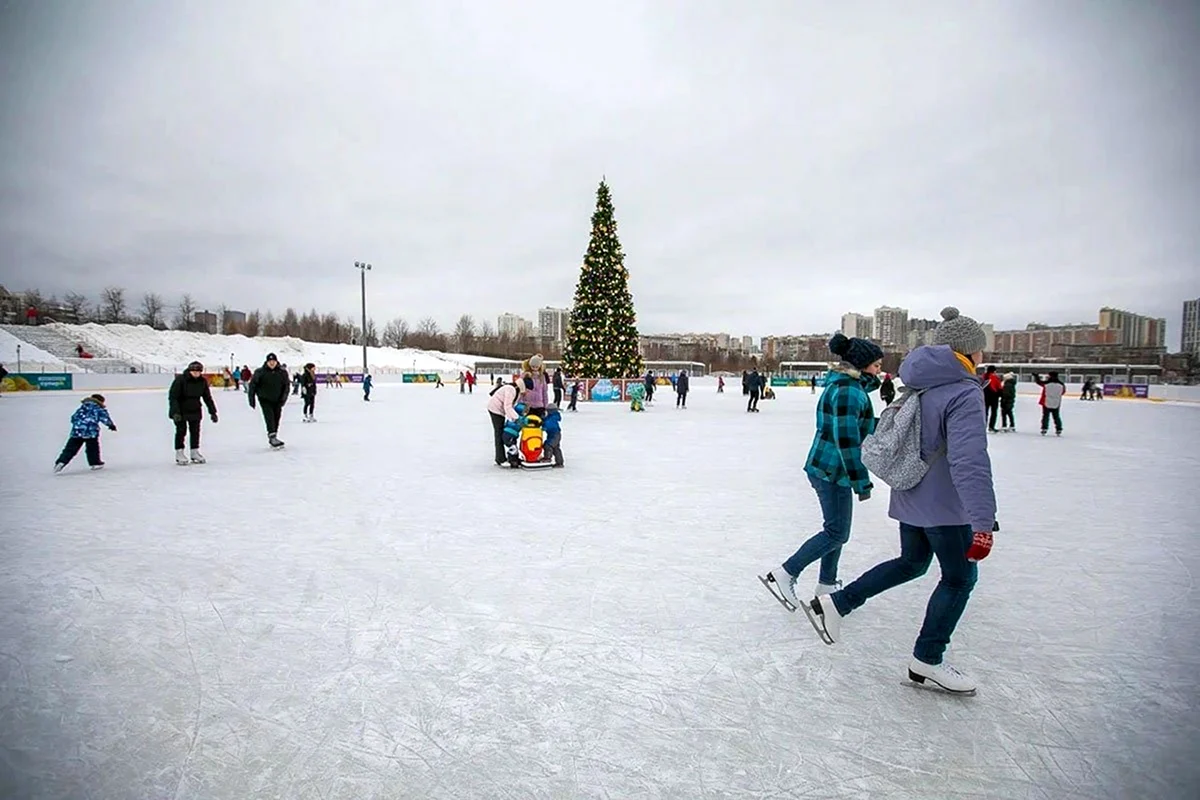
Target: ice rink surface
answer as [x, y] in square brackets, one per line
[379, 612]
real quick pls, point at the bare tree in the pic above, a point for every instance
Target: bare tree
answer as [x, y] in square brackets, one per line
[112, 304]
[185, 313]
[77, 305]
[33, 297]
[152, 311]
[464, 333]
[486, 331]
[395, 332]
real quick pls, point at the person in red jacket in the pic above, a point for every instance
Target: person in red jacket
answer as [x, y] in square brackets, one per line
[993, 387]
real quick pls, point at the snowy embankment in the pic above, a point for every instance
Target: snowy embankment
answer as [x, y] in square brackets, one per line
[31, 358]
[174, 349]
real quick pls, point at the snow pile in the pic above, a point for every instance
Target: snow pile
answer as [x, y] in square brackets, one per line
[174, 349]
[32, 358]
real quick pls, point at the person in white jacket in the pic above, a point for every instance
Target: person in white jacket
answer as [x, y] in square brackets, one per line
[502, 408]
[1053, 390]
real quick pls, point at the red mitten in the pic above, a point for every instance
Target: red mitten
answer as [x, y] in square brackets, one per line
[981, 545]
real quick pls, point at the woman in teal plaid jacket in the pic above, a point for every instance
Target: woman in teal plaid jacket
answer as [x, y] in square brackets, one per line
[845, 417]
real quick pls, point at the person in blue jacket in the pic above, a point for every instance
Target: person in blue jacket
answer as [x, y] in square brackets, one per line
[367, 381]
[511, 433]
[85, 432]
[552, 431]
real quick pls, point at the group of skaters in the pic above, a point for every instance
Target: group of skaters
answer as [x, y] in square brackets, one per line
[525, 402]
[1000, 398]
[190, 398]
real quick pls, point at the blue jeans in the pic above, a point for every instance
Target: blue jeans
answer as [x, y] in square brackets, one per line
[837, 507]
[918, 546]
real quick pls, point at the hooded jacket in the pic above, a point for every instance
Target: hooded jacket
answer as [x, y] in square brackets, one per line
[87, 419]
[957, 489]
[503, 401]
[535, 384]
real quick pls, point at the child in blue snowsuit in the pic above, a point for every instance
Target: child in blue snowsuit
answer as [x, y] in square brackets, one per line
[552, 431]
[367, 380]
[85, 431]
[512, 434]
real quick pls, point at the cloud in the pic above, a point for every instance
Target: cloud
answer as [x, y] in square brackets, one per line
[773, 164]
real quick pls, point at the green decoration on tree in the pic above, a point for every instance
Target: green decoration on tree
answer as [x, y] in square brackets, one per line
[602, 337]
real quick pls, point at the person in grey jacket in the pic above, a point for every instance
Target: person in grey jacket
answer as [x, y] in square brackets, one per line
[950, 514]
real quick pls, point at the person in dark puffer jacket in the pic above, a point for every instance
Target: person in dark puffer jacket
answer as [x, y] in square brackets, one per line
[187, 392]
[270, 387]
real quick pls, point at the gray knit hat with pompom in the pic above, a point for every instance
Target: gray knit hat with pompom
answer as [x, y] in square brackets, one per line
[963, 334]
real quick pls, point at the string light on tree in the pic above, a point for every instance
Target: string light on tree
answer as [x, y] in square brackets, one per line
[602, 337]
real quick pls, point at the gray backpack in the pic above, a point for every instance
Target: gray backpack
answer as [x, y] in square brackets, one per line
[893, 451]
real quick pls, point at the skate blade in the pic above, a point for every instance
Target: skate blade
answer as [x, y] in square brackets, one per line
[815, 621]
[783, 601]
[931, 685]
[536, 465]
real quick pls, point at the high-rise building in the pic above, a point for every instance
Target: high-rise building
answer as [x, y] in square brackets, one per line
[1191, 327]
[891, 327]
[514, 326]
[204, 322]
[1136, 330]
[552, 323]
[859, 325]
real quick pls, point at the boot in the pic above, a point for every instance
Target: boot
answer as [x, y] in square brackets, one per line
[780, 583]
[827, 588]
[274, 440]
[198, 457]
[58, 467]
[941, 676]
[181, 458]
[825, 619]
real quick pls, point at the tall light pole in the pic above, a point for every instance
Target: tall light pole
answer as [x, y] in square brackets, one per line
[363, 267]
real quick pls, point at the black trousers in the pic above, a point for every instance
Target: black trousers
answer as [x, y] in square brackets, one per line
[681, 399]
[72, 449]
[1006, 416]
[993, 408]
[1047, 413]
[190, 427]
[558, 393]
[753, 404]
[498, 431]
[272, 412]
[310, 403]
[574, 400]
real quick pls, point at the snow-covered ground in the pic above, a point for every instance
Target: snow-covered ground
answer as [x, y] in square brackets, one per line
[377, 611]
[177, 348]
[31, 359]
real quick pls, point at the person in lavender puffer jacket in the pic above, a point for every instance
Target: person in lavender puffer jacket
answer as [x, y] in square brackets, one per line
[536, 381]
[950, 514]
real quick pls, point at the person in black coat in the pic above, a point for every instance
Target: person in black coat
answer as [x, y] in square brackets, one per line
[187, 392]
[308, 390]
[269, 386]
[755, 383]
[559, 386]
[681, 389]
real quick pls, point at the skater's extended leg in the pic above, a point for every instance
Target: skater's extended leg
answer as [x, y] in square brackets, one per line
[837, 509]
[180, 430]
[1057, 414]
[92, 448]
[913, 561]
[949, 598]
[1045, 419]
[70, 450]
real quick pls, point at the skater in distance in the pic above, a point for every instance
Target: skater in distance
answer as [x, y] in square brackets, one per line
[834, 466]
[269, 387]
[949, 514]
[308, 391]
[189, 389]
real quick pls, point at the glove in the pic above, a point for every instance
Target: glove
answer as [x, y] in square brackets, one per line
[995, 526]
[112, 427]
[177, 417]
[981, 545]
[865, 493]
[214, 417]
[252, 402]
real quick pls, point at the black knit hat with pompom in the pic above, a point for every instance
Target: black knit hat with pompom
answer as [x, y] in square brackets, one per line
[859, 353]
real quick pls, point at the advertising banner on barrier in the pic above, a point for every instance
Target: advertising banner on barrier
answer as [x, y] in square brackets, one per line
[340, 377]
[415, 377]
[38, 382]
[1141, 390]
[779, 380]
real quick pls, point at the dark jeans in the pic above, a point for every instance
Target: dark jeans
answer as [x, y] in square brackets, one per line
[681, 399]
[498, 431]
[72, 449]
[753, 404]
[918, 546]
[993, 409]
[310, 403]
[558, 393]
[190, 427]
[1007, 420]
[272, 412]
[1047, 413]
[837, 508]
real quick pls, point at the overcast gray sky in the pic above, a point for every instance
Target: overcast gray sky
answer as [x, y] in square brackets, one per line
[773, 164]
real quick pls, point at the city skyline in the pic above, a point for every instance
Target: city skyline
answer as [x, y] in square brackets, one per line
[1001, 158]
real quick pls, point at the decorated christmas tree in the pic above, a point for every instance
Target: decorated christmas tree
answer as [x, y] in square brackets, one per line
[602, 337]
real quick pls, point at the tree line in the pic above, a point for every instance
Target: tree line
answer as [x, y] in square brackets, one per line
[115, 305]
